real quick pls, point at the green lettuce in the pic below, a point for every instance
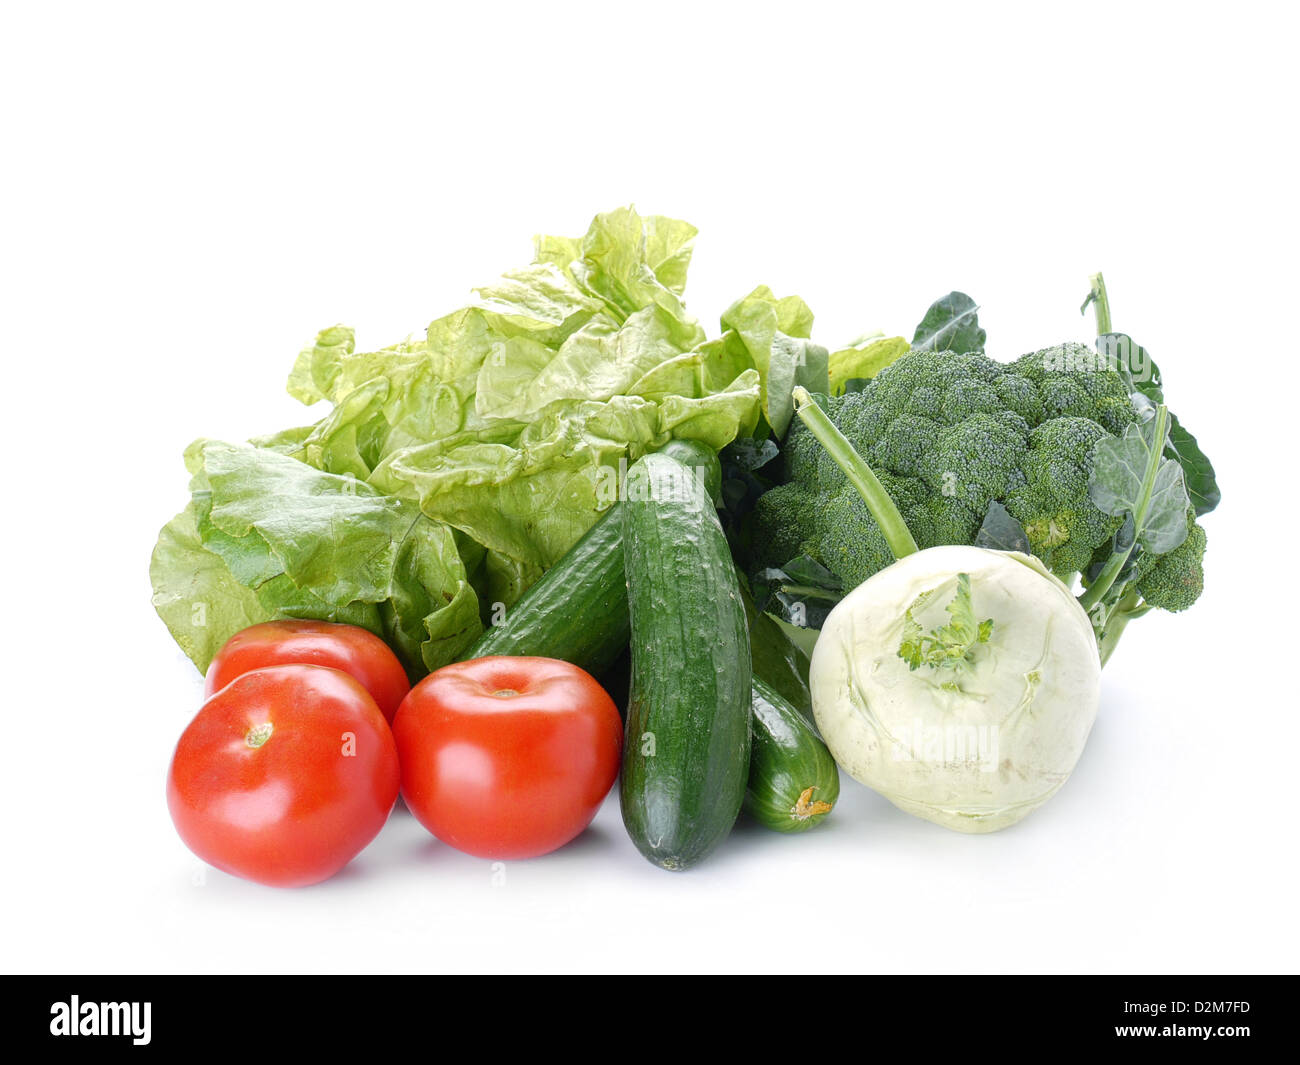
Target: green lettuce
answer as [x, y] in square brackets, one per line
[453, 468]
[266, 536]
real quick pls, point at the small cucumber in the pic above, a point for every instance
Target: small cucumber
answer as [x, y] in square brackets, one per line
[686, 753]
[793, 780]
[778, 659]
[577, 611]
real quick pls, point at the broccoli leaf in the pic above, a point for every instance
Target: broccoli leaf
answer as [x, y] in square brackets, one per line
[1001, 532]
[801, 593]
[951, 324]
[1201, 484]
[1134, 363]
[748, 453]
[1142, 374]
[1127, 479]
[948, 645]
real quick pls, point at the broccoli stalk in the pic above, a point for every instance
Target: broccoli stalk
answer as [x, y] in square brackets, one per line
[1128, 607]
[1099, 302]
[897, 534]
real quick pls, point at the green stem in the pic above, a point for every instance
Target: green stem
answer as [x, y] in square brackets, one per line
[1110, 638]
[1130, 606]
[873, 493]
[1098, 588]
[807, 591]
[1100, 304]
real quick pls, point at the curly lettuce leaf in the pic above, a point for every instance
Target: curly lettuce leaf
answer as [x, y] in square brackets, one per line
[511, 419]
[195, 594]
[773, 333]
[533, 497]
[863, 361]
[464, 461]
[268, 536]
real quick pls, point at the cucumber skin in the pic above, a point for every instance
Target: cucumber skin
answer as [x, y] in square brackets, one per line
[779, 660]
[703, 462]
[787, 758]
[577, 611]
[691, 674]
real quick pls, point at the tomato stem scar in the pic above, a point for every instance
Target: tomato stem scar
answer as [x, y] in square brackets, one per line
[258, 735]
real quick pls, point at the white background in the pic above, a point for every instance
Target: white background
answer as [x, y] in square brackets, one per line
[189, 195]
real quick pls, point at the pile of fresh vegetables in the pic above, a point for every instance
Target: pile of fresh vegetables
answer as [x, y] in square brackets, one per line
[569, 480]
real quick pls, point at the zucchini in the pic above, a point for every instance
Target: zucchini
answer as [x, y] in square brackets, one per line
[577, 611]
[793, 780]
[686, 751]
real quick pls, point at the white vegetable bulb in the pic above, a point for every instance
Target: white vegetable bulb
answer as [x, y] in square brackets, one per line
[979, 746]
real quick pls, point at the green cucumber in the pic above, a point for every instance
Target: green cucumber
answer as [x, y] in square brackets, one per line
[702, 460]
[793, 780]
[686, 752]
[778, 659]
[577, 611]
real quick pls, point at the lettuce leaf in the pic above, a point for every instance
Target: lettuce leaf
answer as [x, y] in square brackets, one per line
[773, 333]
[267, 536]
[474, 456]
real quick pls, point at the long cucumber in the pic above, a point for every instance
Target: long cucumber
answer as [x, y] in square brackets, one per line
[577, 612]
[686, 753]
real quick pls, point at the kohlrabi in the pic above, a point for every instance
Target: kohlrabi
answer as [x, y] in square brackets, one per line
[960, 682]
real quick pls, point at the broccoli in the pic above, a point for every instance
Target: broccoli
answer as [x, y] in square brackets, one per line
[948, 434]
[1064, 527]
[1174, 581]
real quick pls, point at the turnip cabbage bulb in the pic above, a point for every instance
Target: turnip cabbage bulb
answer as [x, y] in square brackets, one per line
[961, 683]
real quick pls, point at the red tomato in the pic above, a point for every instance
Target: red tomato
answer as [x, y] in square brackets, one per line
[507, 757]
[323, 643]
[284, 775]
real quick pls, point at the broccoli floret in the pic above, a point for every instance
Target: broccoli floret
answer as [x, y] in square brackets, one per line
[834, 528]
[782, 526]
[948, 434]
[1074, 380]
[977, 460]
[1063, 525]
[851, 544]
[950, 521]
[1175, 581]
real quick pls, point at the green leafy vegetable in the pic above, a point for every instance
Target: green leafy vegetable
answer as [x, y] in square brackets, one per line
[458, 465]
[1131, 475]
[951, 324]
[1202, 486]
[1135, 363]
[266, 536]
[860, 363]
[772, 335]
